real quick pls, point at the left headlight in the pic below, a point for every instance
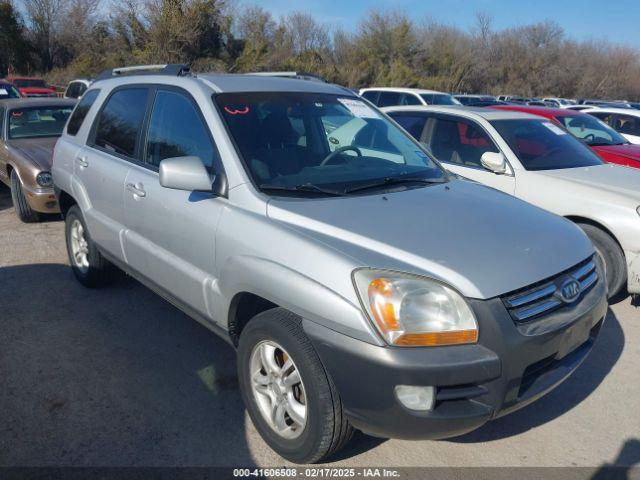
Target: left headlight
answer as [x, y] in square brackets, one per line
[410, 310]
[44, 179]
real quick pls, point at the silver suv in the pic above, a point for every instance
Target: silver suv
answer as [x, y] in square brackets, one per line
[362, 285]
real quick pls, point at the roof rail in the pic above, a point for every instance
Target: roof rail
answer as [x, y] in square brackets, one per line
[297, 75]
[172, 69]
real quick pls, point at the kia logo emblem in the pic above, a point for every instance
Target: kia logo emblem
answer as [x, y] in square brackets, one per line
[570, 290]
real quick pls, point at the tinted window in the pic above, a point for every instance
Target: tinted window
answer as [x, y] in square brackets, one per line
[78, 115]
[120, 121]
[605, 117]
[29, 83]
[439, 99]
[370, 95]
[8, 91]
[72, 90]
[410, 99]
[343, 143]
[388, 99]
[414, 124]
[176, 129]
[541, 145]
[34, 122]
[628, 124]
[1, 121]
[460, 142]
[81, 89]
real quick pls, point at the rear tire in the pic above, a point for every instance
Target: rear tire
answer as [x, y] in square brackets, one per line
[23, 210]
[88, 265]
[326, 429]
[612, 256]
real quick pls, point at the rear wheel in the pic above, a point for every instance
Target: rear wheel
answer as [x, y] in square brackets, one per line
[89, 266]
[290, 397]
[612, 256]
[23, 210]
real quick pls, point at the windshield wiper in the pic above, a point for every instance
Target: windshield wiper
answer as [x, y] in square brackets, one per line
[394, 181]
[305, 187]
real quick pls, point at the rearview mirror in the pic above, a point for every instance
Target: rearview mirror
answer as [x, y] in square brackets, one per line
[185, 173]
[494, 162]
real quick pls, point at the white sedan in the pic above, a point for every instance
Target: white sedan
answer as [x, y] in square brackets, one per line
[530, 157]
[624, 120]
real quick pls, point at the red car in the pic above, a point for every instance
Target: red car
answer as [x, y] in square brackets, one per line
[32, 87]
[605, 141]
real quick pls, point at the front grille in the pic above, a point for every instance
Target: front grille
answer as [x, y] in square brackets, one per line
[532, 302]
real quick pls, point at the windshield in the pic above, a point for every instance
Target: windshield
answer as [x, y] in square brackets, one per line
[308, 141]
[38, 121]
[8, 91]
[439, 99]
[541, 145]
[29, 83]
[592, 131]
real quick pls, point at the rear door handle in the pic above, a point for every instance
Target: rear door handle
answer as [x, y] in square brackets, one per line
[82, 161]
[137, 189]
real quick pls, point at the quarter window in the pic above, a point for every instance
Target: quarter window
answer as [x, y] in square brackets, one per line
[414, 124]
[120, 121]
[371, 95]
[79, 114]
[176, 129]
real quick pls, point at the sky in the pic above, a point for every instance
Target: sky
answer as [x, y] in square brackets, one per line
[617, 21]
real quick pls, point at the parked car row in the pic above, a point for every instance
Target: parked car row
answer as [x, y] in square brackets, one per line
[352, 256]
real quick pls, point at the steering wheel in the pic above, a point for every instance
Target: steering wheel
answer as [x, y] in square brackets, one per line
[338, 151]
[589, 138]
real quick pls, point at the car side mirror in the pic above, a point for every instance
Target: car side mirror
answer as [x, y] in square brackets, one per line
[189, 174]
[494, 162]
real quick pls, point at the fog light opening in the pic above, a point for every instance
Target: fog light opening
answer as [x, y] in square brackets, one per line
[418, 398]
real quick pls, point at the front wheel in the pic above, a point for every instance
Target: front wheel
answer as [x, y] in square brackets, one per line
[23, 210]
[291, 399]
[89, 266]
[612, 256]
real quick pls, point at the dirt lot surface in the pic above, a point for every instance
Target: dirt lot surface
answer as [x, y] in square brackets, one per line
[118, 377]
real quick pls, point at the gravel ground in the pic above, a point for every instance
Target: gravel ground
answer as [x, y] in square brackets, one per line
[118, 377]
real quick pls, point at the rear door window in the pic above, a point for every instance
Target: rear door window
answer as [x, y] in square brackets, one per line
[388, 99]
[628, 124]
[120, 121]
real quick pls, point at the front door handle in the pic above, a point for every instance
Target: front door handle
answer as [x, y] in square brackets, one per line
[137, 189]
[82, 161]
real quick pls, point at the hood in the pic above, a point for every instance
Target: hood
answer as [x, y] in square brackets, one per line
[627, 151]
[613, 179]
[483, 242]
[38, 150]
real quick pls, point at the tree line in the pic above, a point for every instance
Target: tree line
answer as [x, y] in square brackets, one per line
[63, 39]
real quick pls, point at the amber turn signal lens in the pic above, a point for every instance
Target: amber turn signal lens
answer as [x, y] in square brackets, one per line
[434, 339]
[380, 292]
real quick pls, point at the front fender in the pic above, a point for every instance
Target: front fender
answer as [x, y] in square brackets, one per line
[295, 292]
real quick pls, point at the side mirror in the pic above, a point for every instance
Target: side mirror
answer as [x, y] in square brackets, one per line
[494, 162]
[185, 173]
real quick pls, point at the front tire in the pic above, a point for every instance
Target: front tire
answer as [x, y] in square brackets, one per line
[612, 256]
[23, 210]
[292, 401]
[90, 268]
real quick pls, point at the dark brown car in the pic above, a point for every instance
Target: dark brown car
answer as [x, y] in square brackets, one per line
[29, 129]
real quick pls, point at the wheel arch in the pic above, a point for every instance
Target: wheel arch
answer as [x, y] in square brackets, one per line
[594, 223]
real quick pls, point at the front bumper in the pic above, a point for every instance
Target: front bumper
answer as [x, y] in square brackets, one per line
[504, 371]
[42, 200]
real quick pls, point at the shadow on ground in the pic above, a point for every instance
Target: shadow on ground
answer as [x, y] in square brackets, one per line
[5, 197]
[574, 390]
[111, 377]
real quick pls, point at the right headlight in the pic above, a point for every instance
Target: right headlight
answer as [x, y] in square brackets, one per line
[410, 310]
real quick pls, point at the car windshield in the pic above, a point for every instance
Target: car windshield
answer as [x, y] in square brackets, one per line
[29, 83]
[8, 91]
[319, 144]
[439, 99]
[541, 145]
[592, 131]
[34, 122]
